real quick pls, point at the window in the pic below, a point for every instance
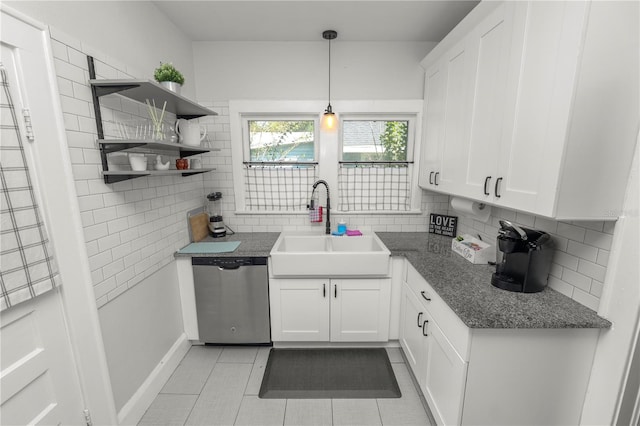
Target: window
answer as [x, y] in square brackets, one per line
[280, 163]
[281, 140]
[375, 140]
[375, 172]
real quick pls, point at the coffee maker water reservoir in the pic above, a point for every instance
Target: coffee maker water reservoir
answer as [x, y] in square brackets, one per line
[523, 259]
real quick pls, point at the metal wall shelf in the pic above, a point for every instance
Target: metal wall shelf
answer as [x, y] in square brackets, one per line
[140, 91]
[115, 145]
[113, 176]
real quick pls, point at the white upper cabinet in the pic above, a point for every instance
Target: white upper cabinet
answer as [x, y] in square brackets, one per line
[435, 86]
[550, 119]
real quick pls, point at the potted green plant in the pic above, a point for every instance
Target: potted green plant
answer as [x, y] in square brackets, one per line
[167, 75]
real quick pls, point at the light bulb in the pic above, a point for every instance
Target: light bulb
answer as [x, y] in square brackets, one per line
[329, 121]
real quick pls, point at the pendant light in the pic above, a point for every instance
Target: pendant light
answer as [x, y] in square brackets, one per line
[329, 121]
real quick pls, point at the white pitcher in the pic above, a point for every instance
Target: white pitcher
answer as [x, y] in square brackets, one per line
[190, 132]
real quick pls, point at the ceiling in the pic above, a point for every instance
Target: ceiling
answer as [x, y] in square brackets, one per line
[304, 20]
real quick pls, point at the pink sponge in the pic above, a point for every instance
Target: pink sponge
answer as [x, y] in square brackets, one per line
[353, 233]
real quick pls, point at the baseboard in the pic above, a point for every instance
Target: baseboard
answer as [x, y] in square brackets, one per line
[134, 409]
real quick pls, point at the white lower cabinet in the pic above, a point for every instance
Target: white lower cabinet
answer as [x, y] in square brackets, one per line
[439, 369]
[492, 376]
[336, 310]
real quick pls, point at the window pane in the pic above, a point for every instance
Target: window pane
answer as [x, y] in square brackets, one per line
[374, 140]
[281, 140]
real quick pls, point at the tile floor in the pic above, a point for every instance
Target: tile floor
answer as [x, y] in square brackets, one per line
[219, 386]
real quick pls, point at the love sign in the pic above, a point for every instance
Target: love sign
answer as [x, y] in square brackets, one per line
[443, 225]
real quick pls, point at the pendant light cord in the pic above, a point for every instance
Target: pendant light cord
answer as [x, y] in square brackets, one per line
[329, 72]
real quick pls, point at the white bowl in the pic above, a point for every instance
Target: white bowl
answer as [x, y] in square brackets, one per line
[138, 162]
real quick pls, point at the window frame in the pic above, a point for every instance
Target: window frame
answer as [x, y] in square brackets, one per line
[328, 144]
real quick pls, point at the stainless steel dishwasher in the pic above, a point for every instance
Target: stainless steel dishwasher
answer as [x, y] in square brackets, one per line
[232, 299]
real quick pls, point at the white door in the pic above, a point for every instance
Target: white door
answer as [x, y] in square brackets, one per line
[48, 376]
[39, 382]
[360, 310]
[299, 310]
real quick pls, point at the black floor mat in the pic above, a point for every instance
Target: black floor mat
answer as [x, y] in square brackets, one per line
[329, 373]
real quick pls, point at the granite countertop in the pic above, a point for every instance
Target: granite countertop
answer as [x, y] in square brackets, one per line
[255, 244]
[467, 289]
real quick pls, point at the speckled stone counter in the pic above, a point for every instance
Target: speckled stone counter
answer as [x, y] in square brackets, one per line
[467, 289]
[256, 244]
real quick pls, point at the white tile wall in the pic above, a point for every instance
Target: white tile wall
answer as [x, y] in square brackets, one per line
[581, 254]
[222, 180]
[131, 228]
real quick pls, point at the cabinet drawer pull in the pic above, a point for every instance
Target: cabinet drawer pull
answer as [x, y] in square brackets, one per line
[495, 190]
[324, 290]
[431, 178]
[419, 318]
[486, 182]
[435, 178]
[424, 328]
[428, 299]
[335, 291]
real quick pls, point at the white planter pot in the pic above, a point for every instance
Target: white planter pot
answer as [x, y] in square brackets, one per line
[172, 85]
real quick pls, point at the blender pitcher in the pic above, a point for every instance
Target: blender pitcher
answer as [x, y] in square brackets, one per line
[214, 208]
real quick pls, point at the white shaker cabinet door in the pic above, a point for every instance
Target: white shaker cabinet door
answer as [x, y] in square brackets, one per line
[299, 310]
[434, 102]
[446, 373]
[412, 339]
[360, 310]
[455, 143]
[544, 62]
[490, 42]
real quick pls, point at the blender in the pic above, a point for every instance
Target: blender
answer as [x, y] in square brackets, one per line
[216, 225]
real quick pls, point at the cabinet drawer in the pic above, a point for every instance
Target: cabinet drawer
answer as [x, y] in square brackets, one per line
[452, 327]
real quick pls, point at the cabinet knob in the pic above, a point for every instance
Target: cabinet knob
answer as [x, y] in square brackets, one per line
[419, 318]
[486, 182]
[497, 187]
[424, 328]
[425, 297]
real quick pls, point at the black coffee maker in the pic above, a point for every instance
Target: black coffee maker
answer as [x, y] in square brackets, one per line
[523, 259]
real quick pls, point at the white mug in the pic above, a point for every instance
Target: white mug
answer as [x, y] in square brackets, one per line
[195, 163]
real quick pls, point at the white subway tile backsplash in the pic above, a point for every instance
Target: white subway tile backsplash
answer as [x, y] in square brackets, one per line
[577, 280]
[561, 286]
[593, 270]
[69, 71]
[95, 232]
[108, 242]
[99, 260]
[566, 260]
[582, 251]
[593, 225]
[603, 257]
[90, 202]
[589, 300]
[59, 50]
[596, 288]
[571, 232]
[598, 239]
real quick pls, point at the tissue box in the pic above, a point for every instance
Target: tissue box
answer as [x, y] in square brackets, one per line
[472, 249]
